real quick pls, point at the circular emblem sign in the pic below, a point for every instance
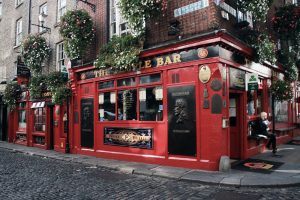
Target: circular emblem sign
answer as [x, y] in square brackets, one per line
[204, 73]
[202, 53]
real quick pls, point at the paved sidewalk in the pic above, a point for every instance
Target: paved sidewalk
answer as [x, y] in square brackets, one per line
[287, 174]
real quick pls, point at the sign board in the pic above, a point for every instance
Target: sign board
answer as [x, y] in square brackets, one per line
[204, 73]
[181, 121]
[252, 81]
[23, 71]
[131, 137]
[237, 79]
[191, 8]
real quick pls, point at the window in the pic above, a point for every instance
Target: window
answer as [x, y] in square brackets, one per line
[61, 9]
[151, 105]
[296, 2]
[118, 25]
[135, 102]
[43, 11]
[127, 105]
[18, 2]
[107, 109]
[22, 115]
[19, 32]
[281, 111]
[39, 119]
[0, 8]
[250, 103]
[126, 82]
[60, 57]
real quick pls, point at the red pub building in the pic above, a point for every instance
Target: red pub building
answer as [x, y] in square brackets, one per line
[186, 106]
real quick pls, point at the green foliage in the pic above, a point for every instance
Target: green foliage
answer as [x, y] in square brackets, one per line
[35, 51]
[55, 80]
[265, 49]
[60, 94]
[12, 94]
[291, 71]
[78, 32]
[282, 90]
[137, 12]
[258, 8]
[120, 53]
[37, 86]
[286, 22]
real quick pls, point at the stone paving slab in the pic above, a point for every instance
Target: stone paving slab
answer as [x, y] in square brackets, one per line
[287, 175]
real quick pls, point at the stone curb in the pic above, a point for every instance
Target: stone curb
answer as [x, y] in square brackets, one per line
[221, 179]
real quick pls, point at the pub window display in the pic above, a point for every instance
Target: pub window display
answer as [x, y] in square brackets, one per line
[121, 104]
[151, 105]
[127, 105]
[39, 119]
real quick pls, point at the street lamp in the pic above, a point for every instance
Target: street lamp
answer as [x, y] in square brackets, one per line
[42, 17]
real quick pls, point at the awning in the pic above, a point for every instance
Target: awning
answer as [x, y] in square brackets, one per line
[40, 104]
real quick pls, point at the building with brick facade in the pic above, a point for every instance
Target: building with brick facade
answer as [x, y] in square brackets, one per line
[188, 105]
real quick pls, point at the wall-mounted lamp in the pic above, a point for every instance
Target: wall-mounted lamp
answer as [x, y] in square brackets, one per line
[92, 6]
[42, 17]
[174, 27]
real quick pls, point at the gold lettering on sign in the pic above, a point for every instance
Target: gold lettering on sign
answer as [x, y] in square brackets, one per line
[160, 61]
[128, 137]
[148, 64]
[168, 60]
[176, 58]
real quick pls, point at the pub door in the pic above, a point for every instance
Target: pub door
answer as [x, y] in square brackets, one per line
[51, 135]
[182, 120]
[87, 123]
[235, 117]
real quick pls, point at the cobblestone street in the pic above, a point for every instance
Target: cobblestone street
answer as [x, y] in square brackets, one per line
[30, 177]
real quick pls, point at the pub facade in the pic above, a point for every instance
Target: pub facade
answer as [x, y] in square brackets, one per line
[189, 103]
[187, 106]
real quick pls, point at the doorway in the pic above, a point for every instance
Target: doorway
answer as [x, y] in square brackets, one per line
[87, 123]
[235, 120]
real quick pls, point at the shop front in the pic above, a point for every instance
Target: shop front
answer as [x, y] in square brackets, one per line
[187, 106]
[37, 123]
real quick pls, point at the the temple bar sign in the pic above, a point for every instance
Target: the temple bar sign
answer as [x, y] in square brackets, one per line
[184, 56]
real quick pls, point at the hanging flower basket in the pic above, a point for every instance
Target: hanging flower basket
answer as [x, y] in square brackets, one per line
[120, 54]
[12, 94]
[37, 86]
[137, 12]
[35, 50]
[78, 32]
[265, 49]
[258, 8]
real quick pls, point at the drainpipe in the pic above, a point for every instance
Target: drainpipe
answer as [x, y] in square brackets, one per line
[68, 127]
[29, 17]
[107, 19]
